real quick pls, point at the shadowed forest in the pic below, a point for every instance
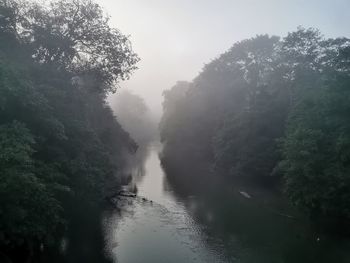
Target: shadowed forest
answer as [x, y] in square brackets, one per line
[266, 122]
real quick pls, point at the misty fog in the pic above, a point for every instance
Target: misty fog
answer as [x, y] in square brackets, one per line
[176, 38]
[174, 131]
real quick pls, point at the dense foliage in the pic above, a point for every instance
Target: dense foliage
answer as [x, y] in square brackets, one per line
[316, 149]
[59, 140]
[271, 107]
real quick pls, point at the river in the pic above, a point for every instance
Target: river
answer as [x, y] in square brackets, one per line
[184, 216]
[162, 226]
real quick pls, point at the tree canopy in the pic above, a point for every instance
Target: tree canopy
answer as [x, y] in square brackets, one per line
[59, 139]
[271, 107]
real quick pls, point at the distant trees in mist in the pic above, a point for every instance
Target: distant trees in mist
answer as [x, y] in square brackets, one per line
[271, 107]
[135, 117]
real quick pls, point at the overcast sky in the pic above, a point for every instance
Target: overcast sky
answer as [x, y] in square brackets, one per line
[175, 38]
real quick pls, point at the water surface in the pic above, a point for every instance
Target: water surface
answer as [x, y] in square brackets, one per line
[165, 224]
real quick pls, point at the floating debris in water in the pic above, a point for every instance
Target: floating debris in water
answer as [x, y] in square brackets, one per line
[245, 194]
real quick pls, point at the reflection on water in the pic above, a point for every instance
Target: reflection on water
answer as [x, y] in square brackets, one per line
[155, 226]
[167, 224]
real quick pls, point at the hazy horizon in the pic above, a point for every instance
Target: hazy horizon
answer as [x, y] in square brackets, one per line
[174, 39]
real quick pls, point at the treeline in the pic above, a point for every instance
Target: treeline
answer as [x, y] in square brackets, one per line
[59, 140]
[135, 117]
[270, 108]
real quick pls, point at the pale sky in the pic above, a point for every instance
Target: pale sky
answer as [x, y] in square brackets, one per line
[175, 38]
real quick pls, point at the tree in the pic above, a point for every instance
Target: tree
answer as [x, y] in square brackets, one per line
[60, 142]
[29, 212]
[75, 35]
[271, 106]
[135, 117]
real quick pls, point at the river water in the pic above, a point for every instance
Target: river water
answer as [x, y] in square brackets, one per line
[164, 225]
